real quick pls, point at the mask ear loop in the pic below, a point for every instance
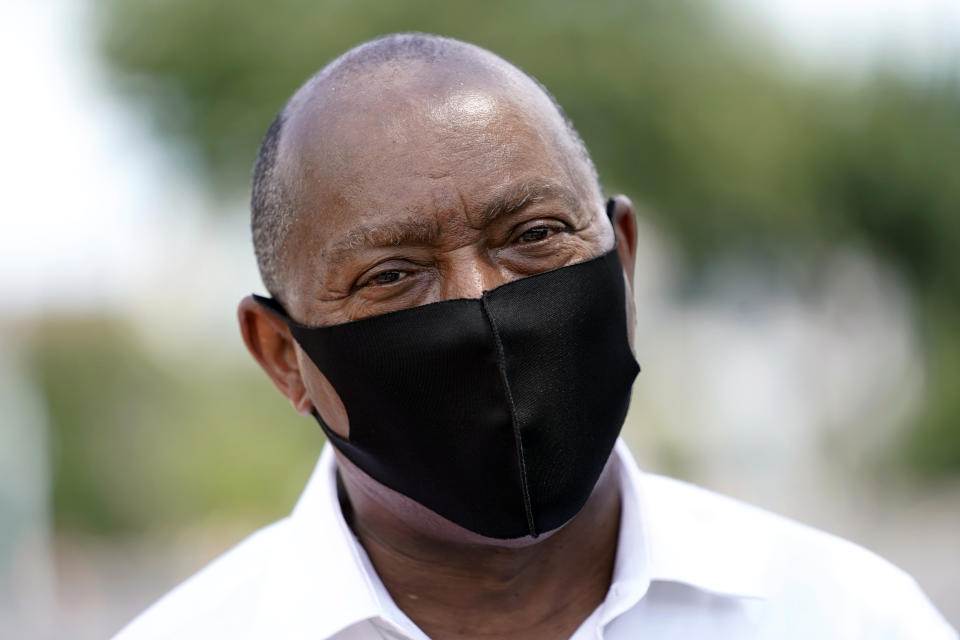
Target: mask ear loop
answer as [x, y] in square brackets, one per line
[272, 304]
[611, 206]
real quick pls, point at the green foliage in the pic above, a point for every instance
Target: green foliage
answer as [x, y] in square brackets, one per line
[726, 150]
[142, 442]
[933, 446]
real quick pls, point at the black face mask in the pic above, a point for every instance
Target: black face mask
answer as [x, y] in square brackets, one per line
[497, 413]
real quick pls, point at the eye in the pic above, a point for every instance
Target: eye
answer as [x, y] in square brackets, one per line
[384, 277]
[537, 234]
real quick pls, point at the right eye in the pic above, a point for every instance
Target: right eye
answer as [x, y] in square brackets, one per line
[384, 278]
[536, 234]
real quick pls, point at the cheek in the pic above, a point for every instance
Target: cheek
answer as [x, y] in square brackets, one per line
[323, 396]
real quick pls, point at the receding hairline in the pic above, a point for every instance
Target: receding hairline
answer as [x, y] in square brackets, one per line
[396, 49]
[476, 67]
[272, 210]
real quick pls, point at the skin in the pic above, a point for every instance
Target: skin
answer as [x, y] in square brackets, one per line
[423, 182]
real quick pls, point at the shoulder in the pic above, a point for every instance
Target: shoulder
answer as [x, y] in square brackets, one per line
[219, 600]
[813, 579]
[777, 547]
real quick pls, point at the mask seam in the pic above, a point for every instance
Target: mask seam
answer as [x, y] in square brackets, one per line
[502, 364]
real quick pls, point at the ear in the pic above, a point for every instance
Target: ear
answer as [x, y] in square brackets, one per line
[269, 341]
[625, 228]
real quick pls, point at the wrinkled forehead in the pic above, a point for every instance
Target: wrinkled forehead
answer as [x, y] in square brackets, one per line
[410, 115]
[415, 138]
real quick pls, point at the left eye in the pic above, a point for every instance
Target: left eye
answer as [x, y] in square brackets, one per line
[385, 277]
[535, 234]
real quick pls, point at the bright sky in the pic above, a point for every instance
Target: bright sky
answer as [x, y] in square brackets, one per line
[95, 211]
[79, 171]
[915, 34]
[95, 214]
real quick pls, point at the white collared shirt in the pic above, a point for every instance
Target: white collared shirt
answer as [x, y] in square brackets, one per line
[690, 564]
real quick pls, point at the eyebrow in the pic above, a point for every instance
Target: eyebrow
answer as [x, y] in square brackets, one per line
[521, 195]
[418, 231]
[392, 234]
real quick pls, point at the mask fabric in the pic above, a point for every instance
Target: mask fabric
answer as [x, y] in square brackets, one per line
[497, 413]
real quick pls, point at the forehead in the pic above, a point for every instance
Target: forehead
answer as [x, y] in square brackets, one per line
[416, 140]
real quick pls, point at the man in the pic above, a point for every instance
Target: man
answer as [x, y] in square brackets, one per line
[451, 301]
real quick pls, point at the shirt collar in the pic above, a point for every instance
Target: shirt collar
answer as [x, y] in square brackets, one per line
[631, 569]
[317, 579]
[321, 578]
[682, 540]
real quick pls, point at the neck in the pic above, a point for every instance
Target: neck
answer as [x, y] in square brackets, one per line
[464, 588]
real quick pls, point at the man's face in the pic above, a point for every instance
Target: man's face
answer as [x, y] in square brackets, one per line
[417, 190]
[419, 187]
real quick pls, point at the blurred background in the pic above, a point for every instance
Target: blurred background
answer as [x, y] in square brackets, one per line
[796, 163]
